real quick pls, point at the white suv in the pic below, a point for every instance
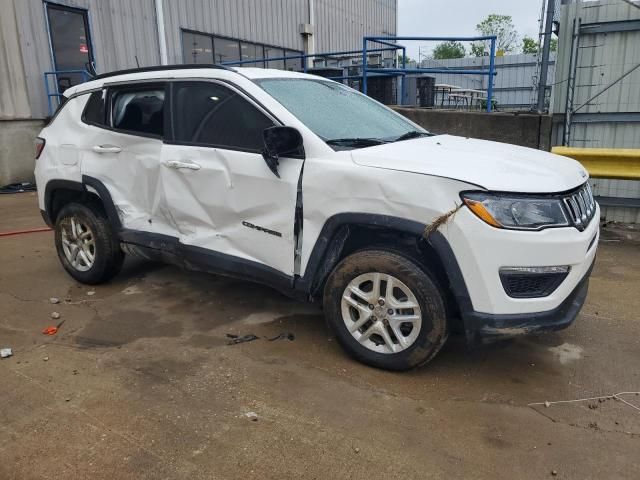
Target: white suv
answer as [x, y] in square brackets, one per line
[308, 186]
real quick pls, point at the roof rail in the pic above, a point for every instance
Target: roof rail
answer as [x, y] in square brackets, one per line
[159, 68]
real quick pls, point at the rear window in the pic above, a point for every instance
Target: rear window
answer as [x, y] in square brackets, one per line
[94, 111]
[139, 110]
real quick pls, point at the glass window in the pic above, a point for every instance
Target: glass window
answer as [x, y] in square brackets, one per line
[251, 51]
[94, 110]
[197, 48]
[69, 32]
[210, 114]
[139, 110]
[334, 111]
[294, 64]
[272, 52]
[226, 50]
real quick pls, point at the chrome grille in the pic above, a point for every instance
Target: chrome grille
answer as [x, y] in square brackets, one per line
[581, 206]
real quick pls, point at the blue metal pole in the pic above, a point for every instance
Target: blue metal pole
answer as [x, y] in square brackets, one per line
[46, 87]
[364, 65]
[403, 78]
[492, 58]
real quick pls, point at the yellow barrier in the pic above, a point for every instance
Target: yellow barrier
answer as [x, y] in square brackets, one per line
[618, 163]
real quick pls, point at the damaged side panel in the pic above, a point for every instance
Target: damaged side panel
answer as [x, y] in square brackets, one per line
[230, 203]
[368, 190]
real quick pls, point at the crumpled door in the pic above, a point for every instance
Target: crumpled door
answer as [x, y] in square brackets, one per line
[228, 201]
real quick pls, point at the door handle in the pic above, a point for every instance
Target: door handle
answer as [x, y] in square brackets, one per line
[178, 165]
[106, 149]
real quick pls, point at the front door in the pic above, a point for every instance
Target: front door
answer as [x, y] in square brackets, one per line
[70, 44]
[215, 187]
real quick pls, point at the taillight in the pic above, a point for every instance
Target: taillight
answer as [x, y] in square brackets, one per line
[40, 142]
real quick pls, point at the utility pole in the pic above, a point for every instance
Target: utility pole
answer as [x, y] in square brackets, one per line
[542, 81]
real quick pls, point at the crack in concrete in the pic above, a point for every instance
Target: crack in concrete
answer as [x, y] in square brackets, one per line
[591, 429]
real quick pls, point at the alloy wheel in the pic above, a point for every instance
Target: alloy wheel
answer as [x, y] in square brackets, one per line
[381, 312]
[78, 243]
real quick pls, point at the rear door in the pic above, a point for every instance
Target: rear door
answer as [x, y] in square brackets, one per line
[216, 188]
[121, 147]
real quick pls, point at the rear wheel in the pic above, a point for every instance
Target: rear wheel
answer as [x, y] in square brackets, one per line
[385, 310]
[86, 245]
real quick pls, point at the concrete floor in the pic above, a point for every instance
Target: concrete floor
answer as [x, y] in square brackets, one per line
[140, 383]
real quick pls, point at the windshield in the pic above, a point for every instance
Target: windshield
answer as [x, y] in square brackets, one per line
[338, 114]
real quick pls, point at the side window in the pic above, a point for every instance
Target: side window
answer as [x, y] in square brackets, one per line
[210, 114]
[94, 111]
[138, 110]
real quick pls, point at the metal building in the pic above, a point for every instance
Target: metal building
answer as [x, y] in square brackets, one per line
[597, 92]
[41, 36]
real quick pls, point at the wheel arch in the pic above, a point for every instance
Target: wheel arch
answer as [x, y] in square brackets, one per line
[91, 191]
[347, 233]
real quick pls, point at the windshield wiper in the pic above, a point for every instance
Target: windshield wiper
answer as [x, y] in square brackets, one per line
[412, 134]
[355, 142]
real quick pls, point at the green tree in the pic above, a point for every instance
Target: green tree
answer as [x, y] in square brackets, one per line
[502, 27]
[529, 45]
[449, 49]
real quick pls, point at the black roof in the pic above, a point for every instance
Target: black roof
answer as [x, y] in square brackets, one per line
[159, 68]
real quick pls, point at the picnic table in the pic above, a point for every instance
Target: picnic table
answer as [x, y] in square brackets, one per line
[445, 89]
[468, 95]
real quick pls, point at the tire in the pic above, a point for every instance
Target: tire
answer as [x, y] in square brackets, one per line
[99, 244]
[410, 348]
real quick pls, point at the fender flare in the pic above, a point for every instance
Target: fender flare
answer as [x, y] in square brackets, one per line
[49, 189]
[87, 181]
[325, 254]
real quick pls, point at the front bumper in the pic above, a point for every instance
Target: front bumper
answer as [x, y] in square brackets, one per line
[472, 254]
[481, 251]
[484, 327]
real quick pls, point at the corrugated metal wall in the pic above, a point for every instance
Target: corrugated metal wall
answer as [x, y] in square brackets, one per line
[273, 22]
[513, 83]
[602, 58]
[14, 102]
[120, 30]
[341, 24]
[124, 29]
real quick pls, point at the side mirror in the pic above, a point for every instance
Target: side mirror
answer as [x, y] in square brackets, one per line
[285, 141]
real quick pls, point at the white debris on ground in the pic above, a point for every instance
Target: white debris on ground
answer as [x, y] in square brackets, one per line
[567, 352]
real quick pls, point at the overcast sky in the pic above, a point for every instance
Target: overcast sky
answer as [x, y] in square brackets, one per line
[459, 18]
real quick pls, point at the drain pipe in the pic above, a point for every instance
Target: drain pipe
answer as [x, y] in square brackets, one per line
[162, 39]
[310, 33]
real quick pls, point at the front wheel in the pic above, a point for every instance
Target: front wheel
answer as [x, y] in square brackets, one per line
[385, 310]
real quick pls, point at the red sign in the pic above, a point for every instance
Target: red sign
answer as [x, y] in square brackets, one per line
[84, 48]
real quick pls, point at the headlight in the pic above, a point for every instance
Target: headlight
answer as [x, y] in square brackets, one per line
[516, 212]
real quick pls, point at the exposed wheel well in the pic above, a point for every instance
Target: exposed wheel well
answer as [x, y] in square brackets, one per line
[351, 238]
[60, 197]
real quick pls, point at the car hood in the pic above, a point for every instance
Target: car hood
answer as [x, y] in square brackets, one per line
[491, 165]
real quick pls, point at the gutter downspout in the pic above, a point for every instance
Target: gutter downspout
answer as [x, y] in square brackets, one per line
[311, 41]
[162, 39]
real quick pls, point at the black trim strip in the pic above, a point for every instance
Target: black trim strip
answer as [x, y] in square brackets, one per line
[331, 227]
[159, 68]
[53, 185]
[210, 261]
[107, 201]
